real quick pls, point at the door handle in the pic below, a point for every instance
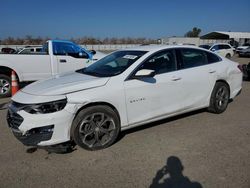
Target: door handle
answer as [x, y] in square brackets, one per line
[212, 71]
[176, 78]
[63, 61]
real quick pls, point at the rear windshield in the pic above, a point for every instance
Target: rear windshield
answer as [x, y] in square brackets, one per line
[205, 46]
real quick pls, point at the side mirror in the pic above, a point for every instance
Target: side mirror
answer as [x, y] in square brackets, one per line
[213, 50]
[83, 55]
[144, 73]
[93, 52]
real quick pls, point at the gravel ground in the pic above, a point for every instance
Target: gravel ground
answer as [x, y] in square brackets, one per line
[209, 150]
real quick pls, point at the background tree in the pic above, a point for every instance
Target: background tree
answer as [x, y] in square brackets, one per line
[30, 40]
[194, 33]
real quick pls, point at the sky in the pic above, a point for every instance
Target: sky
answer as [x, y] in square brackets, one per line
[125, 18]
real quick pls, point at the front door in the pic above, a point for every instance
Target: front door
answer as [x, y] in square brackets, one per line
[68, 63]
[152, 97]
[70, 57]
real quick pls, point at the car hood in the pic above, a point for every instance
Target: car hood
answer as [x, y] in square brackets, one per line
[246, 50]
[64, 84]
[242, 47]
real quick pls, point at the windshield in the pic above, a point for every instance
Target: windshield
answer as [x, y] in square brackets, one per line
[205, 46]
[113, 64]
[246, 44]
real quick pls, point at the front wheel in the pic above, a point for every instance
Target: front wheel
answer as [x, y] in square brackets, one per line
[219, 98]
[95, 127]
[5, 86]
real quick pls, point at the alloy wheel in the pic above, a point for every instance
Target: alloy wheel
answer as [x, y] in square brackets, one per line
[222, 97]
[4, 86]
[97, 129]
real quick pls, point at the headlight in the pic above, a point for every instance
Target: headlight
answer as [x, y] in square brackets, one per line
[46, 108]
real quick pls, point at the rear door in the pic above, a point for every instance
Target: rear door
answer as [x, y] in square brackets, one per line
[197, 77]
[228, 50]
[223, 49]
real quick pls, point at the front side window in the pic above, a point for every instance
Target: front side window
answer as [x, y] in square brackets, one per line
[192, 58]
[161, 62]
[71, 49]
[113, 64]
[215, 48]
[61, 48]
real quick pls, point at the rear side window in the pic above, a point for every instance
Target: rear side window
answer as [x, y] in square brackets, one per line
[212, 58]
[27, 51]
[192, 58]
[45, 48]
[224, 46]
[39, 49]
[227, 47]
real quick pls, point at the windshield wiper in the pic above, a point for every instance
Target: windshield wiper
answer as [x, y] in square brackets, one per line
[91, 73]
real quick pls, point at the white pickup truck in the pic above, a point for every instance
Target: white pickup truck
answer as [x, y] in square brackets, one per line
[56, 57]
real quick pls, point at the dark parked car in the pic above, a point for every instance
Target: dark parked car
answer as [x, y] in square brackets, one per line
[8, 51]
[246, 71]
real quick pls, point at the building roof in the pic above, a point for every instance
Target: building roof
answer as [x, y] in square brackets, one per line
[226, 35]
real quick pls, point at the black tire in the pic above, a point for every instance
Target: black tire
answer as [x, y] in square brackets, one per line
[5, 86]
[228, 56]
[219, 98]
[95, 127]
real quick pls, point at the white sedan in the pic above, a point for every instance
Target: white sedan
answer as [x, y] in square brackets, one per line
[125, 89]
[223, 49]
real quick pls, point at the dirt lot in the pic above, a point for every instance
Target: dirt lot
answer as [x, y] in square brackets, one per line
[211, 150]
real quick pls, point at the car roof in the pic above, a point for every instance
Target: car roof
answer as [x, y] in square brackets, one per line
[211, 44]
[153, 48]
[30, 47]
[65, 41]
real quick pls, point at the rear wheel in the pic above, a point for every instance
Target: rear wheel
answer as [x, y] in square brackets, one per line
[219, 98]
[95, 127]
[5, 86]
[228, 56]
